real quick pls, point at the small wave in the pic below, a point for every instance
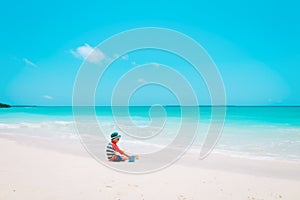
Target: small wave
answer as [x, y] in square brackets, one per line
[8, 126]
[35, 124]
[256, 156]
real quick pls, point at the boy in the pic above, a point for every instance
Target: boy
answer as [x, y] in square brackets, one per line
[112, 149]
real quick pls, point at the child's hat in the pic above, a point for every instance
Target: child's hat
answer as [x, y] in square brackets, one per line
[115, 135]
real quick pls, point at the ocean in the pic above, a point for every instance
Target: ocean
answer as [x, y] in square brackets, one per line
[250, 132]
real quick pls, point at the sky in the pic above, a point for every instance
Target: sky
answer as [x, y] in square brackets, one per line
[254, 44]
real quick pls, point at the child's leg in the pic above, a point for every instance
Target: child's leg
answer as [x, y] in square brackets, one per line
[124, 158]
[117, 158]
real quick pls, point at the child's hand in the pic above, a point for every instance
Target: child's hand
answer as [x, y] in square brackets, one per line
[133, 158]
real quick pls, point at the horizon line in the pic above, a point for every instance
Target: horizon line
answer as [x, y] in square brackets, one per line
[156, 105]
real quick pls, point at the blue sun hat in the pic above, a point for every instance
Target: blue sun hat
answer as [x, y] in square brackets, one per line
[115, 135]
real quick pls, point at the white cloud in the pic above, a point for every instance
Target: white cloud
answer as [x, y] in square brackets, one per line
[133, 63]
[28, 62]
[125, 57]
[88, 53]
[48, 97]
[141, 80]
[156, 65]
[116, 55]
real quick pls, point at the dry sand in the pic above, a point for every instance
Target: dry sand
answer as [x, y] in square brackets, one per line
[29, 171]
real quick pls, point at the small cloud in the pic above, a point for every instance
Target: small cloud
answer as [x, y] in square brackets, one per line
[156, 65]
[125, 57]
[141, 80]
[29, 63]
[88, 53]
[133, 63]
[116, 55]
[48, 97]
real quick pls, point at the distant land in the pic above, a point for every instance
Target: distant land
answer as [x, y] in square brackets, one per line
[2, 105]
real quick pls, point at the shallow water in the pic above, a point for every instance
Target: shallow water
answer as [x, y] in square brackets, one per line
[252, 132]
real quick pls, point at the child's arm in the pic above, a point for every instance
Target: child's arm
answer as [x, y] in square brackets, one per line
[126, 154]
[119, 150]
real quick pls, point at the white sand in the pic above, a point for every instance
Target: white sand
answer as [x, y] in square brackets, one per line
[31, 172]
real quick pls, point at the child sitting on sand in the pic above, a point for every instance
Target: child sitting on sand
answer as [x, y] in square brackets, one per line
[112, 150]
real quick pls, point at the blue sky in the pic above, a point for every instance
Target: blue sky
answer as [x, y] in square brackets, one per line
[255, 45]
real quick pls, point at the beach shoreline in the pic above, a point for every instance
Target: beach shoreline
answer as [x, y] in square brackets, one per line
[31, 171]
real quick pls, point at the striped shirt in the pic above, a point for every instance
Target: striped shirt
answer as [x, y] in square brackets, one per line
[110, 151]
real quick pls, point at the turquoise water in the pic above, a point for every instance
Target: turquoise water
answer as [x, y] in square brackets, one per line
[254, 132]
